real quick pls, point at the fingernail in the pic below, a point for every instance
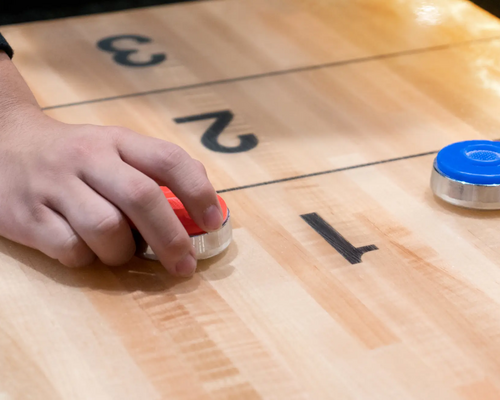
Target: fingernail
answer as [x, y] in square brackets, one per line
[212, 218]
[186, 266]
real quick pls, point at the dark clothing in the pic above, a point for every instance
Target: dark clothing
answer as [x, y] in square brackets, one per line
[16, 12]
[5, 46]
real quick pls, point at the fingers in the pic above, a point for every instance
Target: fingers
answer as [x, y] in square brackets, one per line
[142, 200]
[100, 224]
[171, 166]
[52, 235]
[115, 178]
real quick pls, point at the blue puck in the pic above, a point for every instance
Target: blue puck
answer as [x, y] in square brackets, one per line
[467, 174]
[475, 162]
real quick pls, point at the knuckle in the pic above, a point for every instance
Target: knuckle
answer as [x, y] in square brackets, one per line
[178, 245]
[171, 156]
[115, 132]
[72, 151]
[50, 162]
[201, 189]
[142, 193]
[200, 166]
[37, 212]
[80, 148]
[108, 225]
[69, 245]
[72, 253]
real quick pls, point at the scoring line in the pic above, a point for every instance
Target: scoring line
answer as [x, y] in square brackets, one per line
[277, 73]
[331, 171]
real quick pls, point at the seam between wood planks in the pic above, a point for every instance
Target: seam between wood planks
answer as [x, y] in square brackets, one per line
[327, 172]
[331, 171]
[278, 73]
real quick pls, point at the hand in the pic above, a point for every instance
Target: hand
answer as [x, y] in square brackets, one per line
[70, 191]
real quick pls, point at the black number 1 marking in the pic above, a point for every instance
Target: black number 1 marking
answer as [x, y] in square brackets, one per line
[122, 56]
[211, 135]
[336, 240]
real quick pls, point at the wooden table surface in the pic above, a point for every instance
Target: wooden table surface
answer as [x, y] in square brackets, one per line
[347, 278]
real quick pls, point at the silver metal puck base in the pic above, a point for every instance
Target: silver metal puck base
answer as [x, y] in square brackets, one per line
[206, 245]
[463, 194]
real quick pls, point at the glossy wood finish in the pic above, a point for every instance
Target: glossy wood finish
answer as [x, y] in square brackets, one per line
[213, 40]
[281, 314]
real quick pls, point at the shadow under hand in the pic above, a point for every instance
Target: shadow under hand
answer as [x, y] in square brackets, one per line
[219, 267]
[138, 275]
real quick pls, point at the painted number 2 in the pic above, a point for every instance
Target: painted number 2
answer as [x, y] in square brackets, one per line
[211, 136]
[336, 240]
[122, 56]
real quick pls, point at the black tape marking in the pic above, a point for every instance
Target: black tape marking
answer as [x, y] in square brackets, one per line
[336, 240]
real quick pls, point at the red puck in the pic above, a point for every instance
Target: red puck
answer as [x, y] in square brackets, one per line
[191, 227]
[206, 244]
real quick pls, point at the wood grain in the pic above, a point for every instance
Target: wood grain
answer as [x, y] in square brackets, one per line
[281, 314]
[213, 40]
[324, 119]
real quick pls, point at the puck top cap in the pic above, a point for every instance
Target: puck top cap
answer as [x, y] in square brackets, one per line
[181, 212]
[475, 162]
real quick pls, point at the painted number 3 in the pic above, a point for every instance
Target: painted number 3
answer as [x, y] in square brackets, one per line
[122, 55]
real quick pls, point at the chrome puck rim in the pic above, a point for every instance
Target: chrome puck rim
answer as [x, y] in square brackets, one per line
[206, 245]
[464, 194]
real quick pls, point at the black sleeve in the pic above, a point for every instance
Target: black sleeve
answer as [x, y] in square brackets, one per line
[5, 47]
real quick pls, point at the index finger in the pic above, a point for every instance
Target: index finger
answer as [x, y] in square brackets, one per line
[171, 166]
[142, 200]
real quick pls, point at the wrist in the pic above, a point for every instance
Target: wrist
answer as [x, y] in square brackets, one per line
[16, 98]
